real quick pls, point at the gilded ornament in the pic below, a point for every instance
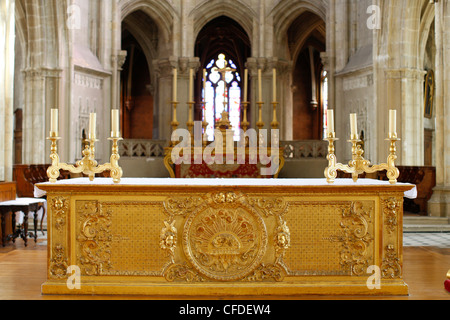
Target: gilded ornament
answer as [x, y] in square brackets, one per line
[182, 272]
[58, 263]
[182, 206]
[355, 238]
[391, 208]
[391, 268]
[60, 207]
[270, 206]
[266, 273]
[95, 238]
[168, 239]
[227, 240]
[282, 240]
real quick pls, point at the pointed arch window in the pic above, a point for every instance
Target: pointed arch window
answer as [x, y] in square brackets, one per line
[222, 92]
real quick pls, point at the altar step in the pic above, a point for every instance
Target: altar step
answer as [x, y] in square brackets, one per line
[425, 224]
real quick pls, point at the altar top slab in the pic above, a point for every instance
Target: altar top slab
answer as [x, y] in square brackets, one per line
[84, 184]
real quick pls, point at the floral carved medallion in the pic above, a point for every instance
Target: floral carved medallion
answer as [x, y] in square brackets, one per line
[225, 240]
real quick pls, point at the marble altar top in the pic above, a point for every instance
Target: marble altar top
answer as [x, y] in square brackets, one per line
[411, 194]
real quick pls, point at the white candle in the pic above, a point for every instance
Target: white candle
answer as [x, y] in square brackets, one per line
[330, 120]
[204, 84]
[353, 125]
[54, 122]
[245, 85]
[274, 85]
[191, 80]
[392, 123]
[92, 125]
[259, 86]
[115, 123]
[175, 76]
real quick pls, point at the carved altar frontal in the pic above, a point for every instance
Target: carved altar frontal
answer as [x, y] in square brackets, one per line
[231, 237]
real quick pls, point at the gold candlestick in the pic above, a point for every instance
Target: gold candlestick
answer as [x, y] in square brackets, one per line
[190, 123]
[358, 164]
[174, 122]
[275, 124]
[204, 126]
[87, 165]
[245, 124]
[260, 124]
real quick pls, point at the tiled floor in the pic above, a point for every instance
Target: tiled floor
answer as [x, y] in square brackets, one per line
[440, 240]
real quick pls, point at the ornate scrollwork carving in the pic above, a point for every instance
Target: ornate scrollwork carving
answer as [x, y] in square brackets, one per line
[169, 239]
[226, 240]
[225, 237]
[390, 210]
[263, 273]
[58, 263]
[95, 238]
[182, 206]
[355, 238]
[182, 272]
[282, 240]
[270, 206]
[222, 197]
[391, 268]
[60, 207]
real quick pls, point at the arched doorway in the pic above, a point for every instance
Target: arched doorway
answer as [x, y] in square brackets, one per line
[306, 38]
[140, 40]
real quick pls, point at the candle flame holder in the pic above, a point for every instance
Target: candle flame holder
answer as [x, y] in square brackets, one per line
[358, 165]
[87, 165]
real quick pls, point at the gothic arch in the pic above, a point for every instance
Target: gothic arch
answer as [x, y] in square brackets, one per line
[161, 12]
[142, 32]
[308, 23]
[21, 29]
[234, 9]
[285, 12]
[427, 20]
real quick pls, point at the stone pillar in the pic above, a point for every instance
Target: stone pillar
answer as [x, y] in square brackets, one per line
[34, 117]
[7, 34]
[439, 204]
[404, 87]
[164, 73]
[253, 65]
[164, 70]
[285, 98]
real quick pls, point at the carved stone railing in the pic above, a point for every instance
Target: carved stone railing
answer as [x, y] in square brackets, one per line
[142, 148]
[308, 149]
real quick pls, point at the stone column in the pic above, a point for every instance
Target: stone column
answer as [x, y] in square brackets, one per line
[439, 204]
[404, 87]
[164, 70]
[7, 33]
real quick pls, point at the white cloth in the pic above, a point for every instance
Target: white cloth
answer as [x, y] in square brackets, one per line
[26, 201]
[411, 194]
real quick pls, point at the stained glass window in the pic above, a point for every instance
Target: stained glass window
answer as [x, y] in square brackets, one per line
[222, 92]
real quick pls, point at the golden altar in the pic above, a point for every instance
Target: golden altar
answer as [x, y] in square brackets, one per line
[225, 237]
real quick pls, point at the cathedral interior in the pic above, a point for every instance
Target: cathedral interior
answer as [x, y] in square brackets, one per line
[321, 76]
